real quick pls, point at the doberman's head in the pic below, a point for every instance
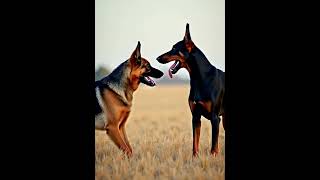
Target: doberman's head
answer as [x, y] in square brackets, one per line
[179, 53]
[141, 70]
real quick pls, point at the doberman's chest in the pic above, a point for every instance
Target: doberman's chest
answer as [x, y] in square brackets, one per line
[203, 107]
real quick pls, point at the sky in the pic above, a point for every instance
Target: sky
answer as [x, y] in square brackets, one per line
[158, 25]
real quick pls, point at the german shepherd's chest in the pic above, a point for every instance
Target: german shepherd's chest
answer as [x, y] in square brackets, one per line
[110, 108]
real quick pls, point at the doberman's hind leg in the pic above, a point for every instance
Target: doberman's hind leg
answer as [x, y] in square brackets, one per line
[223, 121]
[215, 121]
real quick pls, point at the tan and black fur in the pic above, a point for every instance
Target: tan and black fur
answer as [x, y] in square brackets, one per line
[207, 87]
[114, 94]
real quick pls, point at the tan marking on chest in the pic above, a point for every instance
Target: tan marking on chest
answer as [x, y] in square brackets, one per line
[116, 110]
[207, 105]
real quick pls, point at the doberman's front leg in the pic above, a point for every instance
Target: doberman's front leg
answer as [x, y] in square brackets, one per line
[196, 127]
[215, 121]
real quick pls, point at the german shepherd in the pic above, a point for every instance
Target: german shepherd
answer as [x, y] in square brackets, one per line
[114, 94]
[207, 87]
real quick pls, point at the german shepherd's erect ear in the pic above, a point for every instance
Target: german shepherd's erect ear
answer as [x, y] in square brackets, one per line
[136, 55]
[187, 39]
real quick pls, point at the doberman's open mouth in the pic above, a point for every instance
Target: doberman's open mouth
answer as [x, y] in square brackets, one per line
[174, 68]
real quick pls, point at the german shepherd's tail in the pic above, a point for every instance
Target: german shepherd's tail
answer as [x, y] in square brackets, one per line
[98, 102]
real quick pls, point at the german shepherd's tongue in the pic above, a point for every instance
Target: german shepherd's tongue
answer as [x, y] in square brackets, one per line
[152, 83]
[173, 68]
[147, 80]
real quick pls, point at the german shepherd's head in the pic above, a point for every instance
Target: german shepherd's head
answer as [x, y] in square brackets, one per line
[179, 53]
[141, 70]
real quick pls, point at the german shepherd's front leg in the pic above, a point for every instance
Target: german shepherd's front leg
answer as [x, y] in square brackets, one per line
[215, 121]
[125, 138]
[114, 133]
[122, 128]
[196, 127]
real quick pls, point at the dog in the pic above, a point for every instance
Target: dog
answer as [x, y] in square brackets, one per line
[207, 87]
[114, 94]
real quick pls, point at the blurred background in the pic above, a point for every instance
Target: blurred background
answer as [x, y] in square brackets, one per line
[158, 25]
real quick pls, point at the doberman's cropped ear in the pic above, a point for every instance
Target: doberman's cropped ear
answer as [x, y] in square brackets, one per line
[187, 39]
[187, 36]
[136, 55]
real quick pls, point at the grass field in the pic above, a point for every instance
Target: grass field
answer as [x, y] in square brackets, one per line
[160, 132]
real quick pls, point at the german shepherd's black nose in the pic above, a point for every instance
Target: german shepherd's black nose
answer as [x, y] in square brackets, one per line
[158, 58]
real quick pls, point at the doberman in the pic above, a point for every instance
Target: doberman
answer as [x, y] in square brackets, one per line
[207, 87]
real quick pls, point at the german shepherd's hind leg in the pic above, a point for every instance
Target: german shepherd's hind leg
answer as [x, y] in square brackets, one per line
[196, 128]
[215, 121]
[100, 122]
[114, 133]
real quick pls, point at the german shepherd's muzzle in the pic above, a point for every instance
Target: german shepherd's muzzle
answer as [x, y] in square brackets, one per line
[152, 72]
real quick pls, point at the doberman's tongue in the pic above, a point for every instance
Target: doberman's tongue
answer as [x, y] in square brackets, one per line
[172, 68]
[170, 73]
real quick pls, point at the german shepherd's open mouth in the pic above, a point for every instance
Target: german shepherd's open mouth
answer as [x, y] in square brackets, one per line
[145, 77]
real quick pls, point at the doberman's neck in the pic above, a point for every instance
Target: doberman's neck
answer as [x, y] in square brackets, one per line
[201, 73]
[199, 66]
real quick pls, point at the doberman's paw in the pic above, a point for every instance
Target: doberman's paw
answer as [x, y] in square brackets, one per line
[195, 154]
[214, 152]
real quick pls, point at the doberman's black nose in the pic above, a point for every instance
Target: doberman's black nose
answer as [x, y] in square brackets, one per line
[158, 58]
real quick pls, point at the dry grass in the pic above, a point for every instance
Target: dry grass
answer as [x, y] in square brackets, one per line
[160, 132]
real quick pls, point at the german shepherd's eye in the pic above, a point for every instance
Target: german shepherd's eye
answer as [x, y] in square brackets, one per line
[147, 66]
